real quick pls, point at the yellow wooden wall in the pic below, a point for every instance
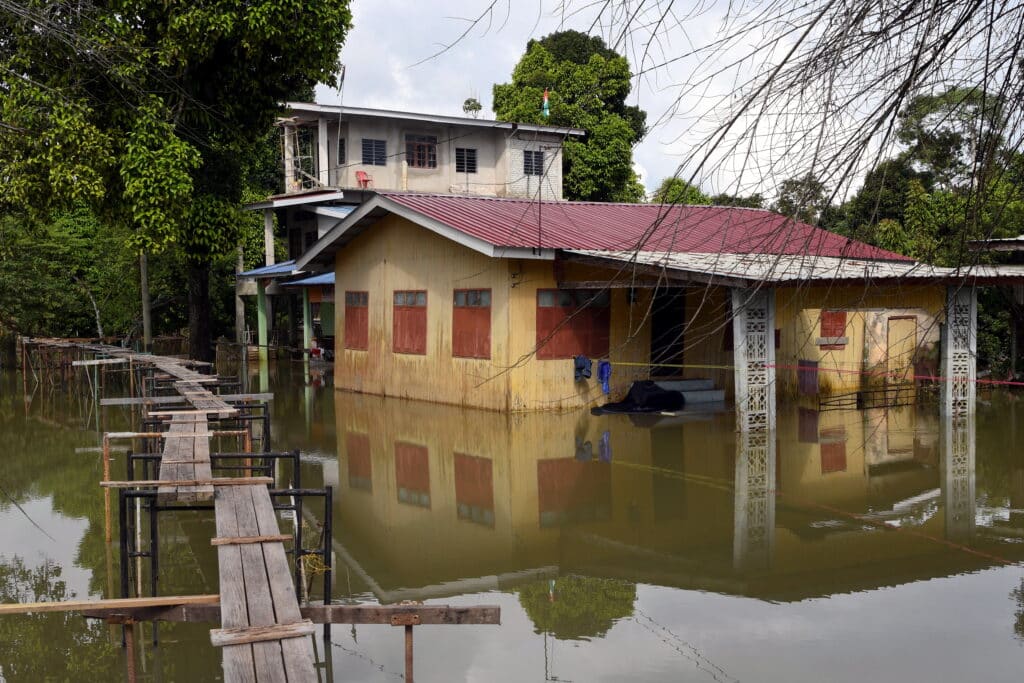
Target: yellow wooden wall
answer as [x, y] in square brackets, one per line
[398, 255]
[798, 317]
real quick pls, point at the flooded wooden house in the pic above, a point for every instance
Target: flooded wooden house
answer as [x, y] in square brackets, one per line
[486, 302]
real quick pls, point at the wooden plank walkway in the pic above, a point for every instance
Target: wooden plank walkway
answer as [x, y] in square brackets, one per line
[263, 634]
[257, 591]
[186, 458]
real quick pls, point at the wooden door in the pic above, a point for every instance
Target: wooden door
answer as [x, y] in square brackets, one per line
[902, 343]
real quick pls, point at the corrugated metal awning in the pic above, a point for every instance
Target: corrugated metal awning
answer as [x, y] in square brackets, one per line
[794, 269]
[276, 270]
[315, 280]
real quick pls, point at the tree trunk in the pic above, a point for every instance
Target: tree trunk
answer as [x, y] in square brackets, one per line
[147, 325]
[200, 341]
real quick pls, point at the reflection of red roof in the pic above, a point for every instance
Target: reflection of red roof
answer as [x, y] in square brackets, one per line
[653, 227]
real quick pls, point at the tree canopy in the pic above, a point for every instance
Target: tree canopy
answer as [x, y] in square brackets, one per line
[148, 112]
[675, 190]
[588, 84]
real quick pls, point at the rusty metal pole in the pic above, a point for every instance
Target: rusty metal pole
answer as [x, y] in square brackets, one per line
[408, 653]
[129, 641]
[106, 477]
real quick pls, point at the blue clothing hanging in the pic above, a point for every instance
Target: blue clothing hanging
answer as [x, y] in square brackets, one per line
[604, 373]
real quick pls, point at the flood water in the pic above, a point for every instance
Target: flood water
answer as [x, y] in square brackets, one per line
[876, 544]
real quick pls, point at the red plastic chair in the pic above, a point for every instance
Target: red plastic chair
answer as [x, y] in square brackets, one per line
[364, 179]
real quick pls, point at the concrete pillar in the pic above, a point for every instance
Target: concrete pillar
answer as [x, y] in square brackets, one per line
[261, 320]
[307, 321]
[323, 162]
[291, 181]
[268, 236]
[753, 323]
[958, 476]
[754, 513]
[960, 351]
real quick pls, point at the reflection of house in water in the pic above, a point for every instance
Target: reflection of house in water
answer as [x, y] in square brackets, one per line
[437, 500]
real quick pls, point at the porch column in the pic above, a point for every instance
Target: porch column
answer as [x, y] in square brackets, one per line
[958, 477]
[960, 351]
[307, 322]
[268, 235]
[754, 513]
[291, 184]
[753, 323]
[323, 164]
[261, 320]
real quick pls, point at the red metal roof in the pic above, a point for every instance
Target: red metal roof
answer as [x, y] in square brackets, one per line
[652, 227]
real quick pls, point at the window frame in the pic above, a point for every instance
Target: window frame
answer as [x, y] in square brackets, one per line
[467, 158]
[533, 162]
[421, 151]
[378, 152]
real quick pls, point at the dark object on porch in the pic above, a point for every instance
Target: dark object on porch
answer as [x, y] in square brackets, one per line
[582, 368]
[644, 397]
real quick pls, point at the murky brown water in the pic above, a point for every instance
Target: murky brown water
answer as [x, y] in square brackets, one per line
[861, 545]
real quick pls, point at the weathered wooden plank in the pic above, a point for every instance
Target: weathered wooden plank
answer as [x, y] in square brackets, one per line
[243, 540]
[258, 634]
[220, 481]
[113, 604]
[99, 361]
[262, 618]
[237, 661]
[298, 653]
[170, 400]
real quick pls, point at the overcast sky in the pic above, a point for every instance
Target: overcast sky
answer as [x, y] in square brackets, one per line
[390, 36]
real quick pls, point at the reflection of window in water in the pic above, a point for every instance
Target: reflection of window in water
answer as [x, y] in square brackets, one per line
[573, 491]
[833, 450]
[412, 474]
[360, 466]
[474, 489]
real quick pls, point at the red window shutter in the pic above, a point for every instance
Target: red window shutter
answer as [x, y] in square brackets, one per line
[833, 323]
[569, 324]
[555, 337]
[471, 323]
[360, 466]
[409, 333]
[357, 327]
[412, 473]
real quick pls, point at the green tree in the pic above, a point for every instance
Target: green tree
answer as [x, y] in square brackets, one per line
[803, 199]
[588, 85]
[754, 201]
[147, 112]
[675, 190]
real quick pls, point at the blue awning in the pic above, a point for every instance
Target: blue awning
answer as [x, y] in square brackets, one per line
[275, 270]
[315, 280]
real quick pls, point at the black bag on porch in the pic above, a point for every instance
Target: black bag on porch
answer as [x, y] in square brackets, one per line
[644, 397]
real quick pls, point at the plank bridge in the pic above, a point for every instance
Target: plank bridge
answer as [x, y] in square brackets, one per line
[263, 634]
